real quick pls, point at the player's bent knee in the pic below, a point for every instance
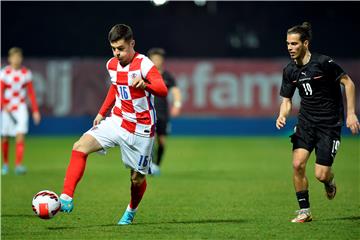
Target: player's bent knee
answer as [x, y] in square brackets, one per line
[322, 176]
[299, 166]
[79, 146]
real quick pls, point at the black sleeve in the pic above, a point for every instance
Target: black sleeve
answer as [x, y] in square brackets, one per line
[287, 88]
[170, 80]
[332, 69]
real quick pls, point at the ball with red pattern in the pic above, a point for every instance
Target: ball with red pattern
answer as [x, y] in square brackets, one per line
[46, 204]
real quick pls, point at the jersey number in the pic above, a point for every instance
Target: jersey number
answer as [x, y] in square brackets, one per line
[307, 88]
[123, 91]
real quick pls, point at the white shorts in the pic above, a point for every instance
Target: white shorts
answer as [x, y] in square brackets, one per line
[17, 124]
[136, 151]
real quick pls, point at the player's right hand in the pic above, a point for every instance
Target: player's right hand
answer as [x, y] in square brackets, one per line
[280, 122]
[98, 119]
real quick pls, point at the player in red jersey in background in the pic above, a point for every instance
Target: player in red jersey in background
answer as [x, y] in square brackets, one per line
[16, 83]
[131, 125]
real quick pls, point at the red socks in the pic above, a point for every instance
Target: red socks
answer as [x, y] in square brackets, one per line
[74, 172]
[5, 151]
[137, 193]
[20, 146]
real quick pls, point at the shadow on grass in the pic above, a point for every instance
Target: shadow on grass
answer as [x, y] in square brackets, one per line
[350, 218]
[203, 221]
[18, 215]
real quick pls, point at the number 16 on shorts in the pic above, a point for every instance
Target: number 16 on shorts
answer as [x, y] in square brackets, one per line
[144, 161]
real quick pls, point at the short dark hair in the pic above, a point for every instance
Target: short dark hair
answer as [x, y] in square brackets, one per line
[15, 50]
[120, 31]
[156, 51]
[304, 30]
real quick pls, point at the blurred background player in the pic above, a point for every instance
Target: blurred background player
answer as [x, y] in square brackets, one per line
[321, 115]
[134, 82]
[16, 83]
[157, 56]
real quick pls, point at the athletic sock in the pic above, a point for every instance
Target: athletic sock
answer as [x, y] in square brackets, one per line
[74, 172]
[5, 151]
[160, 153]
[137, 193]
[303, 199]
[20, 147]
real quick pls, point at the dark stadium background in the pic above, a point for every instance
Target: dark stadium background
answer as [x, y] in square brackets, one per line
[66, 29]
[218, 33]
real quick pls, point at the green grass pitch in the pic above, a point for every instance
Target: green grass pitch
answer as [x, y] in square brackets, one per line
[210, 188]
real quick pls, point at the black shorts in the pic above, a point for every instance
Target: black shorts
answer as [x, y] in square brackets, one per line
[162, 126]
[325, 140]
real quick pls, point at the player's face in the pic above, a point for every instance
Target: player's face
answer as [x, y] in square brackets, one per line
[15, 60]
[123, 50]
[295, 46]
[158, 60]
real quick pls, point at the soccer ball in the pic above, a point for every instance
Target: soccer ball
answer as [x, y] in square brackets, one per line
[46, 204]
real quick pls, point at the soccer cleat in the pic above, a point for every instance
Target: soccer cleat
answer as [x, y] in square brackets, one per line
[127, 218]
[303, 215]
[4, 169]
[330, 188]
[20, 170]
[66, 205]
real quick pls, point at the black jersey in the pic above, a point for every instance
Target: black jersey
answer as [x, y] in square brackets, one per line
[161, 103]
[318, 83]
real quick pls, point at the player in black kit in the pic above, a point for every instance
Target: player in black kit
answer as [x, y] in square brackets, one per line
[321, 115]
[157, 55]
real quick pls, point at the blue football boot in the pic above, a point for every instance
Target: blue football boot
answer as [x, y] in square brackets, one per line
[127, 218]
[66, 205]
[20, 170]
[4, 169]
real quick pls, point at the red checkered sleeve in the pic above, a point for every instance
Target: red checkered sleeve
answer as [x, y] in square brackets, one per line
[109, 100]
[155, 83]
[32, 96]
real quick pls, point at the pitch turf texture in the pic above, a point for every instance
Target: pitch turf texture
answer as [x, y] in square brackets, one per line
[210, 188]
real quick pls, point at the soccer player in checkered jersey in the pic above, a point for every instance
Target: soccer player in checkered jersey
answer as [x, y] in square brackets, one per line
[321, 115]
[16, 83]
[131, 125]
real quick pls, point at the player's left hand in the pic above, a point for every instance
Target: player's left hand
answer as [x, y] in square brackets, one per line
[352, 122]
[36, 117]
[138, 82]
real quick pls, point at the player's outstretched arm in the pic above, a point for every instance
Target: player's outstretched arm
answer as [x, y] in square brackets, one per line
[285, 109]
[352, 121]
[108, 103]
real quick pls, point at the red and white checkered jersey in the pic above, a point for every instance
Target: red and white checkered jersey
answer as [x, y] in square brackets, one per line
[134, 105]
[14, 83]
